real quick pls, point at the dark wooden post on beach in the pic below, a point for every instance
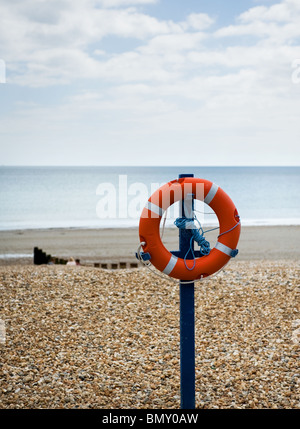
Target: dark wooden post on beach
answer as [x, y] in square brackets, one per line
[187, 314]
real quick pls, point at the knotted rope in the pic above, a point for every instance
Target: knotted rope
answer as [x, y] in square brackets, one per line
[185, 223]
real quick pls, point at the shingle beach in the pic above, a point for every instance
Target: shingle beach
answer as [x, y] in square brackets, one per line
[84, 337]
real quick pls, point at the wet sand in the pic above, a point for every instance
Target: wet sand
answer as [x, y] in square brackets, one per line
[115, 245]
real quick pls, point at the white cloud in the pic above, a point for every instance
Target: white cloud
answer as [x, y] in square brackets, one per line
[280, 23]
[23, 29]
[166, 43]
[198, 21]
[57, 50]
[118, 3]
[181, 82]
[56, 66]
[135, 67]
[287, 10]
[278, 13]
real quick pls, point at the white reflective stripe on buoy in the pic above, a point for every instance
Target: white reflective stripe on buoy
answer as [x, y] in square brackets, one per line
[212, 192]
[171, 264]
[154, 208]
[223, 248]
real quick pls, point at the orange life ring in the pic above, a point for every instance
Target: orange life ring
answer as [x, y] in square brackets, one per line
[177, 190]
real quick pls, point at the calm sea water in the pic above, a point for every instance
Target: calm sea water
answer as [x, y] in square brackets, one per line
[49, 197]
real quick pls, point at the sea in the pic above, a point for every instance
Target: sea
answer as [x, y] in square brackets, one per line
[113, 197]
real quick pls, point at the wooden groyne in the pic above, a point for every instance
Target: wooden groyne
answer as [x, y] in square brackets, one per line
[40, 257]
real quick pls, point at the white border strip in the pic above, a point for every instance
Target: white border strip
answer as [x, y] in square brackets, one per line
[171, 264]
[223, 248]
[154, 208]
[212, 192]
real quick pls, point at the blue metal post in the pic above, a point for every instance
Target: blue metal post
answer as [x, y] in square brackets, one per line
[187, 324]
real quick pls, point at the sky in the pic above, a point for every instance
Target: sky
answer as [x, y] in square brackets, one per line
[150, 82]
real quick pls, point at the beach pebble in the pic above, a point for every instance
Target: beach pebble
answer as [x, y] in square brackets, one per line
[93, 338]
[296, 336]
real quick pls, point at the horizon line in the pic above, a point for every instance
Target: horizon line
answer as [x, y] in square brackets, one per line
[147, 166]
